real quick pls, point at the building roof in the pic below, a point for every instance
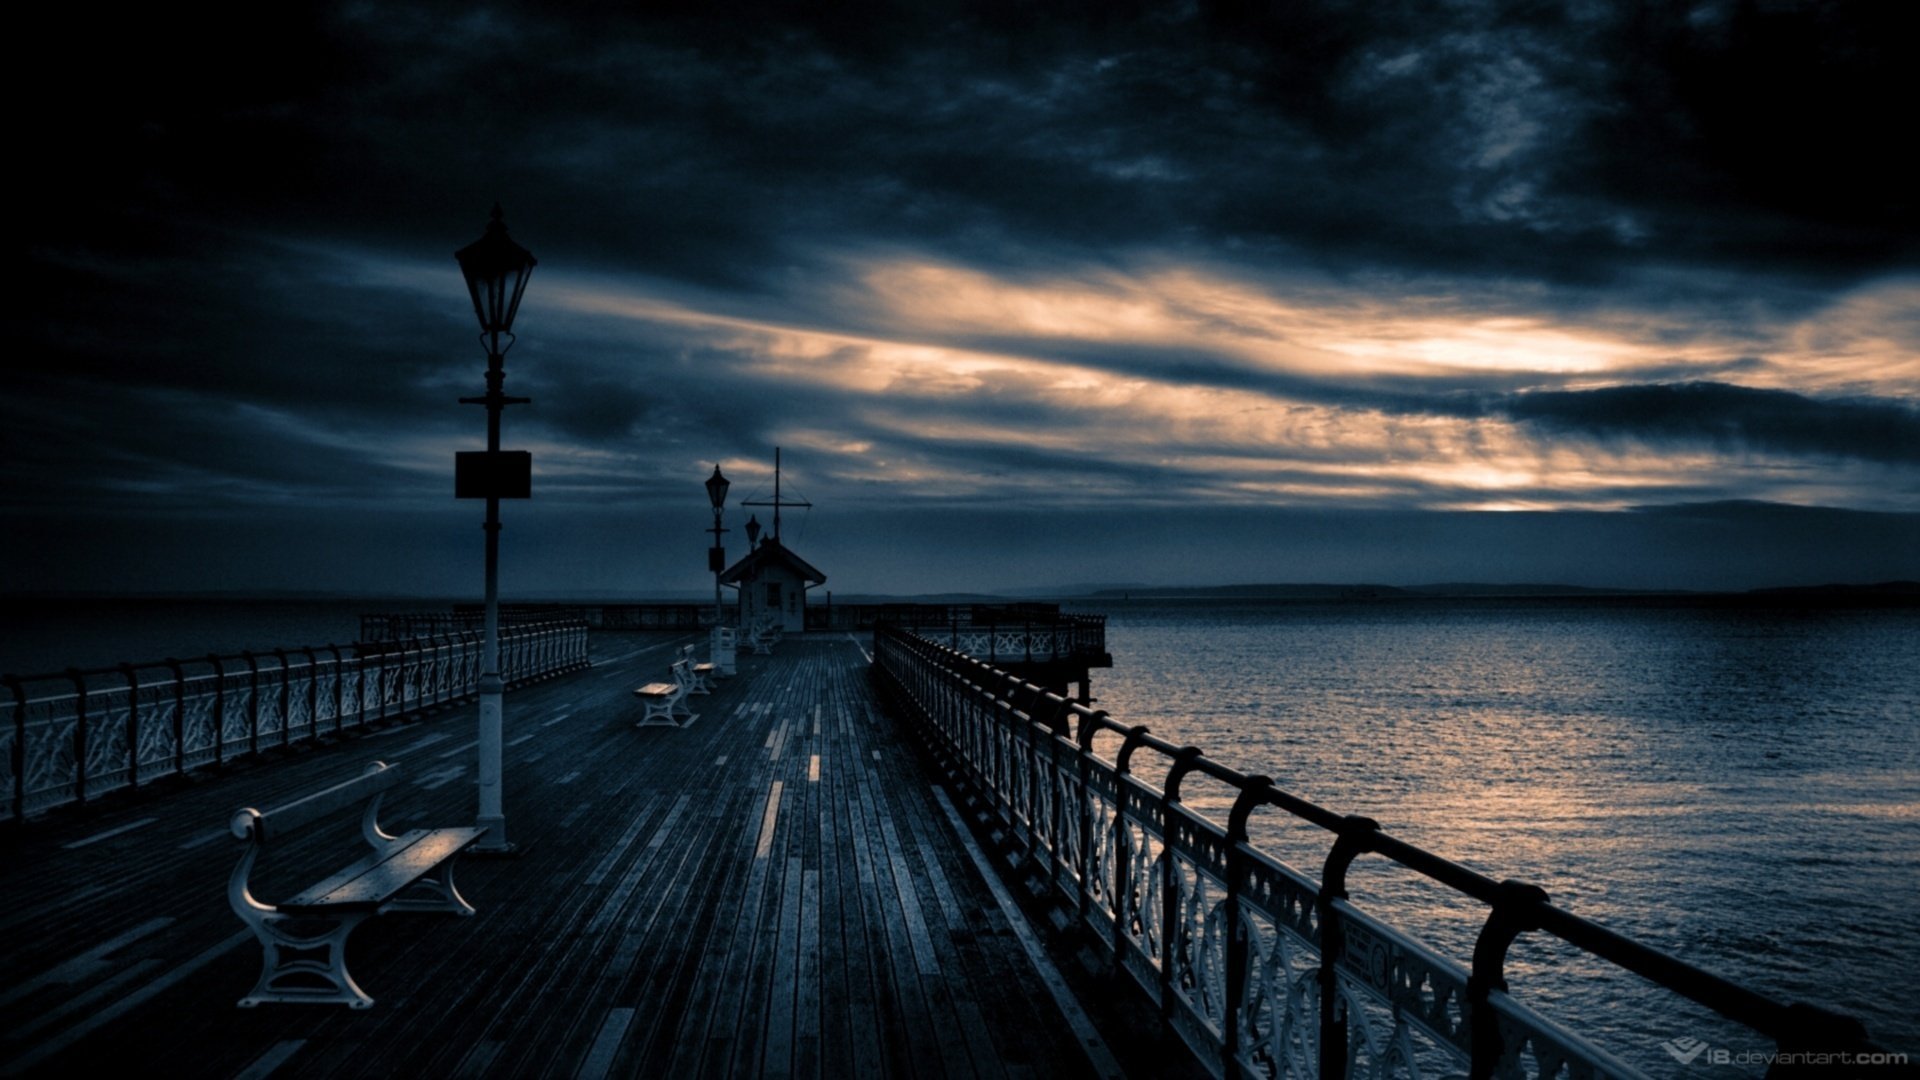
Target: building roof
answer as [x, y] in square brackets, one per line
[769, 554]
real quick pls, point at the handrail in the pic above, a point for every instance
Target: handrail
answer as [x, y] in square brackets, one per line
[1258, 968]
[71, 736]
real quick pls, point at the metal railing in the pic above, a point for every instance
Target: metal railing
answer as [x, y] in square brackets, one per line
[76, 735]
[1012, 636]
[1259, 969]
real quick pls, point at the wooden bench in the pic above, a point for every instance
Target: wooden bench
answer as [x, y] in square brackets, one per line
[304, 939]
[666, 701]
[700, 676]
[763, 637]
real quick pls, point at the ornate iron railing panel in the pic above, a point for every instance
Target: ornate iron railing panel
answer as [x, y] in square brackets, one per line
[269, 701]
[1261, 970]
[200, 714]
[47, 762]
[74, 736]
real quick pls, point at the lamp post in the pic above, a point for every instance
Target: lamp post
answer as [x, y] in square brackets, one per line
[496, 270]
[719, 653]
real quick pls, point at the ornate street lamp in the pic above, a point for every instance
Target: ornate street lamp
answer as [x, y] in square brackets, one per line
[720, 654]
[496, 270]
[753, 532]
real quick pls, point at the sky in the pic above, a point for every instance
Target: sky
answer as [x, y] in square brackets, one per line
[1031, 295]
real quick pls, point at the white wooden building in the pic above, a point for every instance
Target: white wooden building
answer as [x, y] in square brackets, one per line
[772, 578]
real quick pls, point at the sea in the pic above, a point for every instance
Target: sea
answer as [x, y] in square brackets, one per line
[1736, 785]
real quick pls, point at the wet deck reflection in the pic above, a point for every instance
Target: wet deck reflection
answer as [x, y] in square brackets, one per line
[772, 890]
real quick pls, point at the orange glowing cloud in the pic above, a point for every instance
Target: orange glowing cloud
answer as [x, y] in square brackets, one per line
[931, 366]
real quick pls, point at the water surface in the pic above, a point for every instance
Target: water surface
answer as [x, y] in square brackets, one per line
[1739, 787]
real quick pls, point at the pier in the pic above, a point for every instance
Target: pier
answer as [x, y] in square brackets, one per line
[777, 889]
[868, 855]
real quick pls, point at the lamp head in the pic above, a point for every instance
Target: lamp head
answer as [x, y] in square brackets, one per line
[496, 270]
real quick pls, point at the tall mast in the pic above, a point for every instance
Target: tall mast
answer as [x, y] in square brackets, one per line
[777, 502]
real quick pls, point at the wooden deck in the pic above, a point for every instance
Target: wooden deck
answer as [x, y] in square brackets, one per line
[775, 890]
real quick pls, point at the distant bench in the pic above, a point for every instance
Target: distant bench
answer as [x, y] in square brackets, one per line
[764, 635]
[304, 939]
[700, 675]
[666, 702]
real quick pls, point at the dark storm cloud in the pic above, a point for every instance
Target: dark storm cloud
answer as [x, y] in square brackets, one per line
[262, 323]
[1730, 417]
[1559, 140]
[149, 451]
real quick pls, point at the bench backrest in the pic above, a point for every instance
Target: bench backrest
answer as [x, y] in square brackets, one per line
[257, 825]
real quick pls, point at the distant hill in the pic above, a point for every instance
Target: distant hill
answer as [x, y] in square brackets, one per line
[1884, 588]
[1470, 588]
[1255, 592]
[1890, 591]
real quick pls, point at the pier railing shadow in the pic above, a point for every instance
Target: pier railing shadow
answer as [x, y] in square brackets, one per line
[73, 736]
[1261, 970]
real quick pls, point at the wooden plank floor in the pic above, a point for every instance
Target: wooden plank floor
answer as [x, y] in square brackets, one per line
[771, 891]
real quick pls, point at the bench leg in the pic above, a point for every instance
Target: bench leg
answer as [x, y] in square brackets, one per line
[432, 894]
[657, 713]
[306, 968]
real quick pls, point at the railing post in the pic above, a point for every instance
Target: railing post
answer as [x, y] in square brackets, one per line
[179, 716]
[1356, 837]
[286, 699]
[413, 675]
[1809, 1029]
[1057, 730]
[1252, 796]
[339, 689]
[379, 683]
[19, 755]
[133, 724]
[313, 693]
[1515, 910]
[1122, 839]
[79, 734]
[1184, 761]
[219, 708]
[253, 702]
[1090, 726]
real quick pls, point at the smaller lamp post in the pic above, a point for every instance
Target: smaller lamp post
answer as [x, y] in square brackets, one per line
[719, 651]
